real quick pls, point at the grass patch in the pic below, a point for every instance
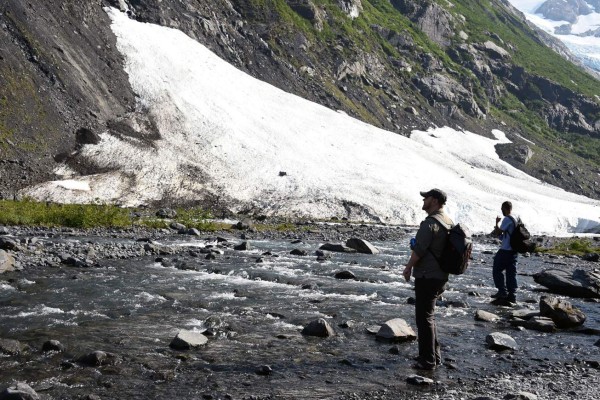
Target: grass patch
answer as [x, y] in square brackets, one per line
[575, 246]
[33, 213]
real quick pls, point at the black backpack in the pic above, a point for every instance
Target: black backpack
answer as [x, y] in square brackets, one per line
[457, 251]
[520, 238]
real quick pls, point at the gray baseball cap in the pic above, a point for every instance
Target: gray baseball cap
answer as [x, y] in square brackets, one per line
[438, 194]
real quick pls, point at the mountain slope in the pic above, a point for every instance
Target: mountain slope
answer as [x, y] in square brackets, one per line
[399, 65]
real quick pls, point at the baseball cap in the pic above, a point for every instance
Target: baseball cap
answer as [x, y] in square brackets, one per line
[438, 194]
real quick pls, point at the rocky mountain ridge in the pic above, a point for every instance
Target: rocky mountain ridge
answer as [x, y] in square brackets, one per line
[397, 64]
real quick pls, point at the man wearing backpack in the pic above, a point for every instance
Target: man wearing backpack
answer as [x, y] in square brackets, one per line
[430, 280]
[506, 258]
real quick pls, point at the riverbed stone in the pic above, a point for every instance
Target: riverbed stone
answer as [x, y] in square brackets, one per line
[521, 396]
[345, 275]
[537, 323]
[579, 283]
[245, 245]
[339, 248]
[419, 380]
[319, 328]
[524, 313]
[7, 262]
[10, 347]
[481, 315]
[298, 252]
[97, 358]
[501, 341]
[53, 345]
[186, 340]
[8, 244]
[362, 246]
[562, 312]
[19, 391]
[395, 330]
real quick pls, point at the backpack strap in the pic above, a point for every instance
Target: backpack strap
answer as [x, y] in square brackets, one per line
[444, 227]
[514, 221]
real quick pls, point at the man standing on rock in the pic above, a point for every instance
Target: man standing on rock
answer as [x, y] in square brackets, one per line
[505, 258]
[430, 280]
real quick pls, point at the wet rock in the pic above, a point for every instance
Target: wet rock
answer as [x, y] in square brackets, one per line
[319, 328]
[563, 313]
[500, 341]
[10, 347]
[8, 244]
[242, 246]
[524, 313]
[481, 315]
[53, 345]
[193, 232]
[264, 370]
[339, 248]
[19, 391]
[347, 324]
[298, 252]
[395, 330]
[580, 283]
[7, 262]
[521, 396]
[540, 324]
[97, 358]
[597, 344]
[4, 230]
[419, 380]
[372, 329]
[186, 340]
[345, 275]
[593, 257]
[362, 246]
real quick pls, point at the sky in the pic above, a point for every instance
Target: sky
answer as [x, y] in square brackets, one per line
[586, 48]
[225, 132]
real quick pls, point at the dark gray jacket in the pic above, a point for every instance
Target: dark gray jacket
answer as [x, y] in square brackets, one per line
[431, 238]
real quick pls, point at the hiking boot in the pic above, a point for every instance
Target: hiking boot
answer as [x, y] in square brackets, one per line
[511, 298]
[499, 295]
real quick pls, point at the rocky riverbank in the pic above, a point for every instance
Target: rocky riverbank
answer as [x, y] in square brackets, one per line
[94, 314]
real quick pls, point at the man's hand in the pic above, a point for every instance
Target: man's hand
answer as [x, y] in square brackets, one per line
[407, 272]
[498, 219]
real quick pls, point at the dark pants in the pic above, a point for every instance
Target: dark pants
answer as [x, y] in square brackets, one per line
[505, 260]
[426, 292]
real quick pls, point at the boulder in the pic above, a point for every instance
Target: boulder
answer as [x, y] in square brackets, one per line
[339, 248]
[481, 315]
[579, 283]
[242, 246]
[319, 328]
[7, 262]
[362, 246]
[19, 391]
[97, 359]
[53, 345]
[298, 252]
[419, 380]
[500, 341]
[10, 347]
[185, 340]
[345, 275]
[166, 213]
[563, 313]
[395, 330]
[494, 50]
[537, 323]
[8, 244]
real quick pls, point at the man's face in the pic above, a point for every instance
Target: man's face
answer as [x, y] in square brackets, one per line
[428, 203]
[504, 211]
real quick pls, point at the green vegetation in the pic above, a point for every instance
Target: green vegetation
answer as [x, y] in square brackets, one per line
[33, 213]
[574, 246]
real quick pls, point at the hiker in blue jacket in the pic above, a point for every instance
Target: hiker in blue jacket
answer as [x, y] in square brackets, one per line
[506, 258]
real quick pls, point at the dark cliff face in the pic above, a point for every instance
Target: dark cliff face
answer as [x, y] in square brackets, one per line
[397, 64]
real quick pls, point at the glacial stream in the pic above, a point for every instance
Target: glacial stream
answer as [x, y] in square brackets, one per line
[253, 305]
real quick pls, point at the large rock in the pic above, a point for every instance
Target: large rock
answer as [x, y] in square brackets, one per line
[97, 358]
[481, 315]
[563, 313]
[441, 88]
[395, 330]
[339, 248]
[186, 340]
[7, 262]
[319, 328]
[362, 246]
[580, 283]
[19, 391]
[10, 347]
[563, 10]
[500, 341]
[540, 324]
